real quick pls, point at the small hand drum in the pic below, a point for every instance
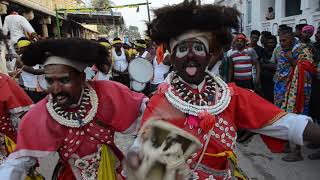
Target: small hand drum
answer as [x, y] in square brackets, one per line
[137, 86]
[165, 152]
[140, 70]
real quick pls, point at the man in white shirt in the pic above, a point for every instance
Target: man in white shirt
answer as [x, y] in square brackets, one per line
[32, 76]
[17, 25]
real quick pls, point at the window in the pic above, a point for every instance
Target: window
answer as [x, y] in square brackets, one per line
[249, 10]
[293, 7]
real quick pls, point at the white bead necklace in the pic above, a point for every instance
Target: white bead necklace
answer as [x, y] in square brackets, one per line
[192, 109]
[74, 123]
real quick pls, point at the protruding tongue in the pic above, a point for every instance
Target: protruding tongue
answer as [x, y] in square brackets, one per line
[191, 71]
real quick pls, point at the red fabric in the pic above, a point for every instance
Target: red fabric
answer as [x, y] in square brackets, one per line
[160, 53]
[66, 174]
[275, 145]
[303, 66]
[246, 110]
[11, 97]
[38, 131]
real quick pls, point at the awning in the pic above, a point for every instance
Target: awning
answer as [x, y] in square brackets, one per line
[99, 17]
[35, 6]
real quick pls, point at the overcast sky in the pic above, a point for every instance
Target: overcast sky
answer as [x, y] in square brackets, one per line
[131, 17]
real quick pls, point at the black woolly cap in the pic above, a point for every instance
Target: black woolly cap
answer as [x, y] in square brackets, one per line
[172, 21]
[79, 50]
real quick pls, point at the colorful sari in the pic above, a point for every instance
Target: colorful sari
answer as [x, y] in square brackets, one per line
[292, 94]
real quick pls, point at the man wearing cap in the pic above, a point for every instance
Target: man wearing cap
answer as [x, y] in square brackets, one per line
[31, 77]
[78, 119]
[243, 59]
[16, 25]
[120, 63]
[141, 47]
[201, 103]
[306, 34]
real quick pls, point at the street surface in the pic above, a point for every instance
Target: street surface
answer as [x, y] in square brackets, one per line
[254, 159]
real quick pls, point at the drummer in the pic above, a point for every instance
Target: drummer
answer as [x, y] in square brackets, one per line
[120, 62]
[141, 47]
[142, 50]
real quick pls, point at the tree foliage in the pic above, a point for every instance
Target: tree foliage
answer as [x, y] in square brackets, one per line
[101, 4]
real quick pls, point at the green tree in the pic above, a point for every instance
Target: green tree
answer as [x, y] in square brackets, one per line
[101, 4]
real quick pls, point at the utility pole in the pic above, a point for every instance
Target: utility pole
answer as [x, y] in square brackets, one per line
[148, 10]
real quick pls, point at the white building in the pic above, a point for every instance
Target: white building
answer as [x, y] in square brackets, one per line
[290, 12]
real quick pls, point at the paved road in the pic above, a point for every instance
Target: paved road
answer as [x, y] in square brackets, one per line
[255, 159]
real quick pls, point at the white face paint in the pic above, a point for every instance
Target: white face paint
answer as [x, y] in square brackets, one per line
[194, 46]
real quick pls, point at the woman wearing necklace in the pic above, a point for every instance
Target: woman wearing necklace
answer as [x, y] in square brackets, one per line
[78, 119]
[202, 104]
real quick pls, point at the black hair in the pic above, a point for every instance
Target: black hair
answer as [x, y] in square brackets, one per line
[172, 21]
[272, 37]
[75, 49]
[255, 32]
[116, 39]
[286, 30]
[23, 38]
[300, 26]
[103, 40]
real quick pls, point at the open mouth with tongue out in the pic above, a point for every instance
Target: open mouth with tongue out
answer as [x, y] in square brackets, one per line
[191, 68]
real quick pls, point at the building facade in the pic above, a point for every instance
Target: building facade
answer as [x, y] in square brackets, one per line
[290, 12]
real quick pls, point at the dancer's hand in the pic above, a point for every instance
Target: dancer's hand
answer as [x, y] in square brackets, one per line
[133, 160]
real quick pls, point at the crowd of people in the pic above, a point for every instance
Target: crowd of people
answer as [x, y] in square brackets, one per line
[74, 97]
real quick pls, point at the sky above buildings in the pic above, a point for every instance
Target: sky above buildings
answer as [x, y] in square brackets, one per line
[134, 18]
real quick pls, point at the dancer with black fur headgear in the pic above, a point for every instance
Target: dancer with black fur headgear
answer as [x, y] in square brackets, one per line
[78, 118]
[202, 104]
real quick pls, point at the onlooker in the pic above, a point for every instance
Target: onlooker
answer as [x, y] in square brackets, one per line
[270, 14]
[242, 60]
[264, 35]
[268, 68]
[17, 25]
[254, 38]
[292, 94]
[306, 34]
[315, 94]
[298, 30]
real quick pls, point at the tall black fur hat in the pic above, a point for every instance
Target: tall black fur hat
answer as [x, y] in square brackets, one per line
[74, 49]
[172, 21]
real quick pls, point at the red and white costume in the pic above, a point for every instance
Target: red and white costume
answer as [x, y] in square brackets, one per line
[235, 108]
[13, 103]
[41, 135]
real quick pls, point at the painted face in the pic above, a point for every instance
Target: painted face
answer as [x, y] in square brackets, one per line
[64, 84]
[190, 59]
